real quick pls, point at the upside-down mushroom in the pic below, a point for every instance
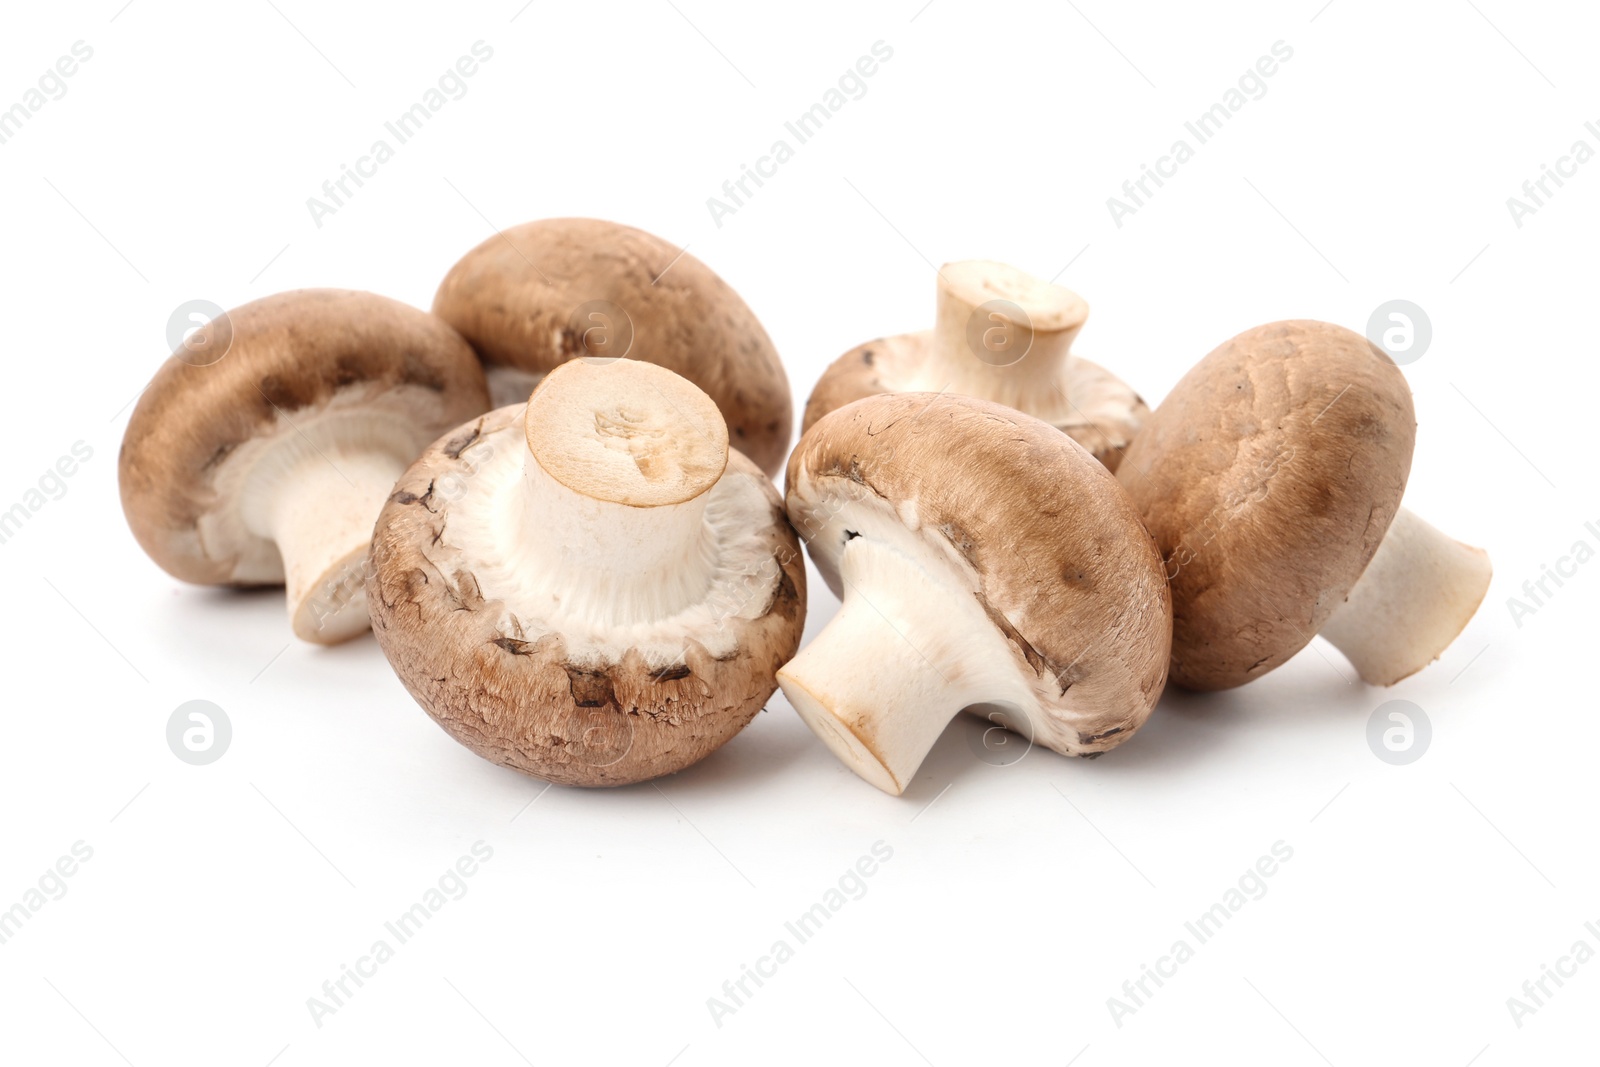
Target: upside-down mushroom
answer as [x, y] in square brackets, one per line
[593, 587]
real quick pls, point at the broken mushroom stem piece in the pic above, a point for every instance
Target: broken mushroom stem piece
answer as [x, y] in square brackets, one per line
[1414, 598]
[1003, 335]
[908, 651]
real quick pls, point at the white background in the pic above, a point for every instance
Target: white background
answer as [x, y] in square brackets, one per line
[1018, 899]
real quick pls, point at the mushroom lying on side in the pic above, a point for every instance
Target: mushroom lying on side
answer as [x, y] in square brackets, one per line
[985, 561]
[593, 587]
[265, 458]
[1271, 478]
[1000, 335]
[536, 295]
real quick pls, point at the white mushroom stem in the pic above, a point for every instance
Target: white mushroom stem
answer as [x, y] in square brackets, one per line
[321, 515]
[1414, 598]
[906, 653]
[611, 563]
[1002, 335]
[608, 521]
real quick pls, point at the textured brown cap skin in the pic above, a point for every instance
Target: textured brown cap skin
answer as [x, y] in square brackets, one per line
[513, 299]
[515, 699]
[857, 374]
[1269, 476]
[861, 372]
[287, 353]
[1066, 571]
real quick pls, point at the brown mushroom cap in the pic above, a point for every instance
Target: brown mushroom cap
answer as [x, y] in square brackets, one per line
[596, 704]
[524, 300]
[1052, 549]
[1106, 413]
[287, 359]
[1269, 477]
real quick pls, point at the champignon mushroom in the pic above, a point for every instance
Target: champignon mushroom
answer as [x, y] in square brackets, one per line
[266, 459]
[986, 562]
[1271, 477]
[536, 295]
[1000, 335]
[593, 587]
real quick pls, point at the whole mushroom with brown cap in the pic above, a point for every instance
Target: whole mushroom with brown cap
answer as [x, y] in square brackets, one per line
[986, 563]
[1002, 335]
[537, 295]
[264, 448]
[1271, 477]
[592, 588]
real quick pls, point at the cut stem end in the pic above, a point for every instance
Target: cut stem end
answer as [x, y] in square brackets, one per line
[1414, 599]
